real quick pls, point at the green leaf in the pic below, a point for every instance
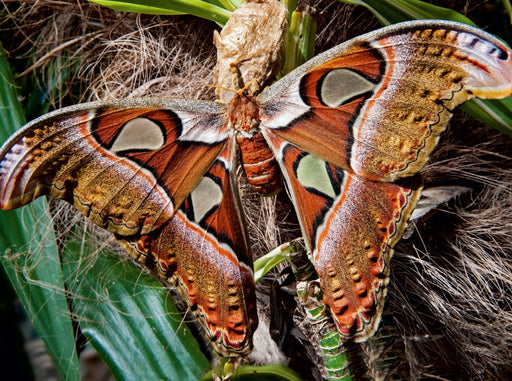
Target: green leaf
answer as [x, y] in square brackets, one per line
[299, 45]
[496, 113]
[270, 260]
[394, 11]
[230, 5]
[272, 372]
[508, 8]
[29, 253]
[130, 319]
[207, 10]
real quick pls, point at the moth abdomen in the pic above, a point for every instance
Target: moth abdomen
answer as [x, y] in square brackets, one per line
[260, 165]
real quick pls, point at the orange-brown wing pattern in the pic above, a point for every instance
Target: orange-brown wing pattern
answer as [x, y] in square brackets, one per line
[204, 249]
[363, 119]
[349, 129]
[351, 225]
[157, 173]
[377, 104]
[127, 165]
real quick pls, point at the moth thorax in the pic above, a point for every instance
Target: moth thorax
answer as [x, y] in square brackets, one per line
[259, 163]
[244, 115]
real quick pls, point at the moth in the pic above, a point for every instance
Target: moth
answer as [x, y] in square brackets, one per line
[348, 132]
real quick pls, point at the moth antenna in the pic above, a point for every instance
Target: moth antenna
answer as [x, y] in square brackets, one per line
[248, 85]
[239, 91]
[223, 88]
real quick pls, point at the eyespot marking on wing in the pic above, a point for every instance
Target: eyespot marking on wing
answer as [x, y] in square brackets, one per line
[339, 86]
[206, 196]
[312, 174]
[139, 134]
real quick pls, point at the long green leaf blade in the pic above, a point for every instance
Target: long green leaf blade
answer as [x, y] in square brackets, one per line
[230, 5]
[130, 320]
[197, 8]
[29, 253]
[493, 112]
[300, 40]
[393, 11]
[508, 8]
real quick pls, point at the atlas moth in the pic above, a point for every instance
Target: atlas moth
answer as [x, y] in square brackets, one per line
[347, 131]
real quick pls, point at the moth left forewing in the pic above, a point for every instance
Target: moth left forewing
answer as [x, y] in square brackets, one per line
[377, 104]
[157, 173]
[125, 165]
[203, 249]
[351, 225]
